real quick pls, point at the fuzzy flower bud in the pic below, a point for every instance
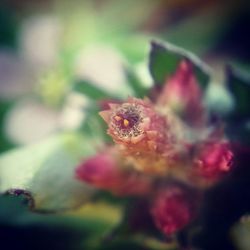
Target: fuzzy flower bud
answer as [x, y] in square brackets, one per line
[213, 160]
[183, 95]
[172, 209]
[104, 171]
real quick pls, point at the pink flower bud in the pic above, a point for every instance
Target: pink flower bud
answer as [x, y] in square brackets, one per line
[182, 94]
[105, 171]
[100, 170]
[213, 160]
[172, 209]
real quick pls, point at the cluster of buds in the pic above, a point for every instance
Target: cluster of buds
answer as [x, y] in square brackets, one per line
[155, 153]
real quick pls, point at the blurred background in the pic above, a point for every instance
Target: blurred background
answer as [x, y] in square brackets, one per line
[48, 46]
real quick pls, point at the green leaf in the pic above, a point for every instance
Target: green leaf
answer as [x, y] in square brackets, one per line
[238, 131]
[47, 171]
[5, 143]
[21, 228]
[165, 57]
[134, 48]
[8, 26]
[95, 126]
[122, 245]
[238, 83]
[137, 242]
[91, 91]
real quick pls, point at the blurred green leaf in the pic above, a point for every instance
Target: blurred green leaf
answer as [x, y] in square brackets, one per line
[91, 91]
[8, 26]
[238, 131]
[95, 126]
[134, 47]
[240, 233]
[47, 171]
[21, 228]
[5, 143]
[122, 245]
[238, 83]
[164, 59]
[137, 242]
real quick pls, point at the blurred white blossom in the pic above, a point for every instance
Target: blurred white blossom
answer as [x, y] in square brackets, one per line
[16, 77]
[103, 66]
[29, 121]
[72, 115]
[39, 40]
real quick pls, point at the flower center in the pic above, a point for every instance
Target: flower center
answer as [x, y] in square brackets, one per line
[126, 119]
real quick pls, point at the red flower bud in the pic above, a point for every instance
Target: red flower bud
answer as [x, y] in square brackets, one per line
[213, 160]
[105, 172]
[172, 209]
[183, 95]
[100, 170]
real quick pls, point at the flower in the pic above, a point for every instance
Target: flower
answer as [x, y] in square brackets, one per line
[144, 135]
[158, 153]
[135, 121]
